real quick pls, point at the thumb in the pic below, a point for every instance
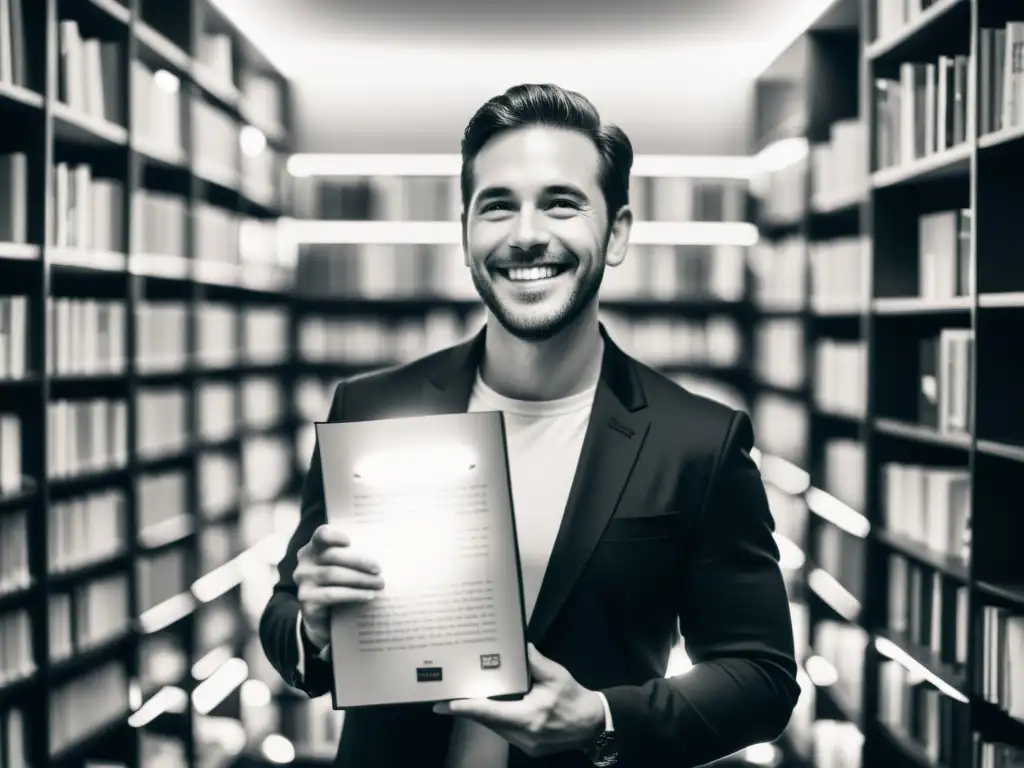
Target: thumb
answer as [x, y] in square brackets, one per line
[541, 667]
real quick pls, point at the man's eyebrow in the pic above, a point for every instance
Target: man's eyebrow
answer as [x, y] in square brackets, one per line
[491, 193]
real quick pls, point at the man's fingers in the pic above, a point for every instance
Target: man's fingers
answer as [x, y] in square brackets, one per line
[345, 557]
[488, 712]
[329, 536]
[337, 576]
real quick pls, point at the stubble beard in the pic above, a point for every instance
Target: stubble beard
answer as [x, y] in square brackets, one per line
[541, 327]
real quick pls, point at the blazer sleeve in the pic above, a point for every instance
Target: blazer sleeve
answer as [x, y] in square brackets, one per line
[734, 613]
[278, 633]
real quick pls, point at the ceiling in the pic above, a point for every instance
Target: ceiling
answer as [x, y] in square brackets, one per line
[406, 75]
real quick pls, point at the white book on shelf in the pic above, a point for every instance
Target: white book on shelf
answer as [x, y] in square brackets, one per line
[1013, 76]
[13, 197]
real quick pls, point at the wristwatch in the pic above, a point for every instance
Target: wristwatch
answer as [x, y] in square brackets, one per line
[603, 751]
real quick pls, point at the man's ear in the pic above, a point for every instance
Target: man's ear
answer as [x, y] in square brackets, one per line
[465, 243]
[618, 237]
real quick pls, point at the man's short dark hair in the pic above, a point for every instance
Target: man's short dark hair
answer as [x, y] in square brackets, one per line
[528, 104]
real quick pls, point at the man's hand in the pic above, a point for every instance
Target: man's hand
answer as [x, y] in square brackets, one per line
[557, 715]
[329, 572]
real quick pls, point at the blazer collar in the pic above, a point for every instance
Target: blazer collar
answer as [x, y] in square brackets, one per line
[453, 371]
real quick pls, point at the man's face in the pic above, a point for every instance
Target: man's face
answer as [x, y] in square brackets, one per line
[536, 233]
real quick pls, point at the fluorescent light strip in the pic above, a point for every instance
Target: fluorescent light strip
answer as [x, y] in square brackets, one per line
[211, 662]
[834, 594]
[821, 671]
[892, 651]
[168, 699]
[277, 749]
[659, 166]
[218, 686]
[164, 614]
[791, 557]
[224, 578]
[830, 508]
[450, 232]
[785, 475]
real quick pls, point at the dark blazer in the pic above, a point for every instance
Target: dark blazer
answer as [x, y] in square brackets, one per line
[667, 525]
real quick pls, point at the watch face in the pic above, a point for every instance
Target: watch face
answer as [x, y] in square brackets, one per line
[605, 749]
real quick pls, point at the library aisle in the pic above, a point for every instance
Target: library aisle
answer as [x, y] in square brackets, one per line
[182, 285]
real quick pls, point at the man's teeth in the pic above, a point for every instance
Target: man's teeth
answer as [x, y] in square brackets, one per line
[531, 273]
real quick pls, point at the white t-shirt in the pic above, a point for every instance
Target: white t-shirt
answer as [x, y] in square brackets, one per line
[544, 443]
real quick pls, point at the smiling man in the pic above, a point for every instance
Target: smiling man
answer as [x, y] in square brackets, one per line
[639, 511]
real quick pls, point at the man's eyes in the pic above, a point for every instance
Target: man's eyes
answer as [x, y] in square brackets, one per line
[501, 205]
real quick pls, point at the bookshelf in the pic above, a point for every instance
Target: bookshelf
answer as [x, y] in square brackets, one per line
[913, 595]
[145, 446]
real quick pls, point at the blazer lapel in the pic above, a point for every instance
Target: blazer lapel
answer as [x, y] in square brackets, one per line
[449, 382]
[618, 425]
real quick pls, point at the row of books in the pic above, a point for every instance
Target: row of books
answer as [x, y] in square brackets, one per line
[84, 336]
[256, 403]
[89, 215]
[379, 271]
[1001, 79]
[13, 63]
[1002, 661]
[13, 337]
[925, 609]
[87, 529]
[779, 353]
[836, 744]
[15, 571]
[11, 479]
[783, 192]
[914, 709]
[892, 18]
[844, 471]
[840, 377]
[930, 506]
[778, 268]
[946, 381]
[839, 273]
[923, 112]
[158, 125]
[85, 436]
[160, 577]
[89, 74]
[90, 435]
[842, 646]
[16, 659]
[85, 704]
[439, 198]
[659, 341]
[944, 254]
[842, 556]
[162, 335]
[839, 171]
[665, 341]
[88, 210]
[781, 424]
[13, 196]
[87, 616]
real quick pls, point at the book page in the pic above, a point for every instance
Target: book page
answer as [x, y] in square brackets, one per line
[429, 500]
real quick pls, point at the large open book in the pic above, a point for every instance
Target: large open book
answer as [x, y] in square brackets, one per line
[429, 498]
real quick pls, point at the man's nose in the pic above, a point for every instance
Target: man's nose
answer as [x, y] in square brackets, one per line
[528, 231]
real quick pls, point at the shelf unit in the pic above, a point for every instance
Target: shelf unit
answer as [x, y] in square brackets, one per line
[914, 562]
[809, 127]
[141, 358]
